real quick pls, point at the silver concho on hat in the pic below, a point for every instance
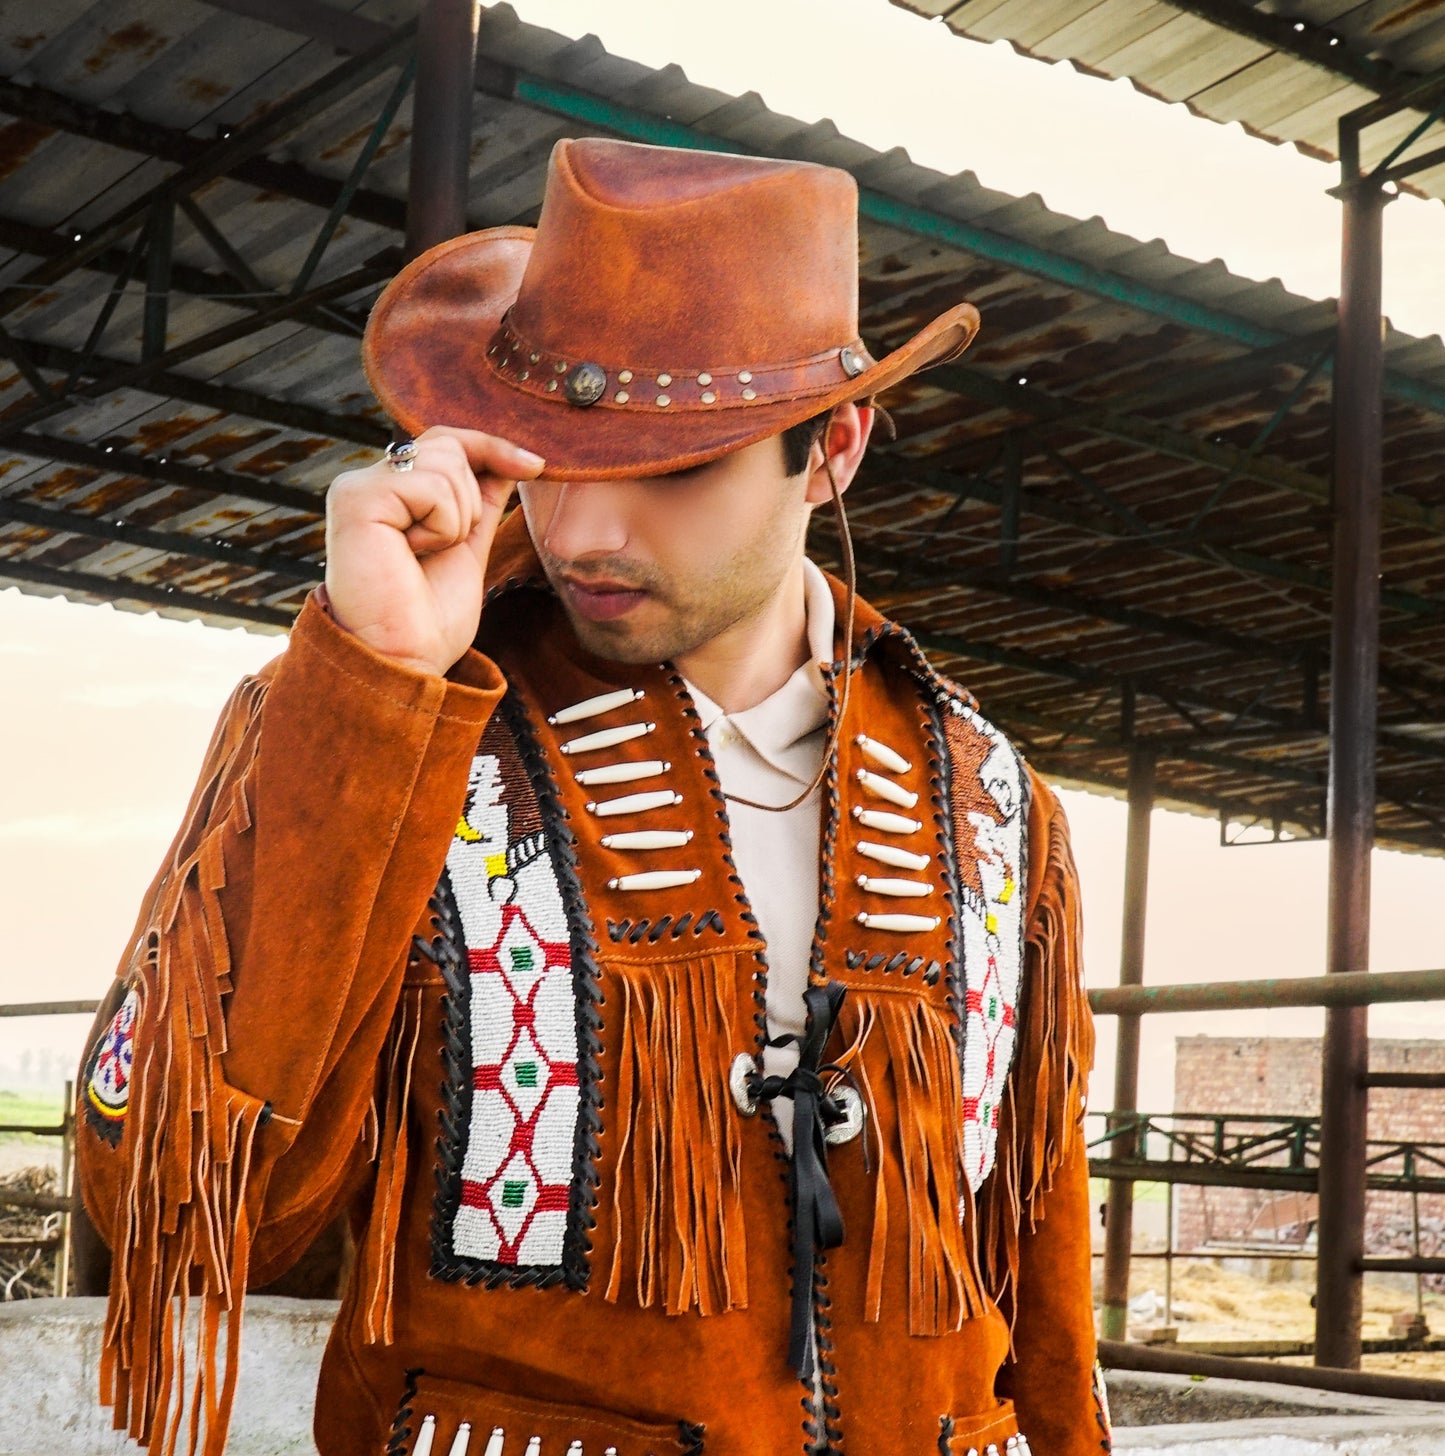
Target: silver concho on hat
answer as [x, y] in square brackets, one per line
[585, 384]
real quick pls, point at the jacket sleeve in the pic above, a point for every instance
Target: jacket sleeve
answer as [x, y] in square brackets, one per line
[1042, 1227]
[222, 1112]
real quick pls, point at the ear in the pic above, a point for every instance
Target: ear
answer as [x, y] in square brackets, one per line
[844, 440]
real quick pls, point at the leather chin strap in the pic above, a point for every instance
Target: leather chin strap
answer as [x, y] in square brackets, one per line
[817, 1219]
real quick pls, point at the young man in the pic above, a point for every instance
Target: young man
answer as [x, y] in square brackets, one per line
[674, 975]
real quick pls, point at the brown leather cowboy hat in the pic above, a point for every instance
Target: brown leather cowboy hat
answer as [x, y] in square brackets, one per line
[668, 307]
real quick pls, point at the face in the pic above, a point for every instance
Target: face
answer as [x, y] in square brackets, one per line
[654, 568]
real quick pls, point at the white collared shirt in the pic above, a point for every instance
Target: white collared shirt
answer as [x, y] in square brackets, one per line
[770, 753]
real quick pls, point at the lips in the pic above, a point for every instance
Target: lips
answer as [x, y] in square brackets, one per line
[602, 601]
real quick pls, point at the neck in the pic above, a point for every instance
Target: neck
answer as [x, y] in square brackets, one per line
[754, 657]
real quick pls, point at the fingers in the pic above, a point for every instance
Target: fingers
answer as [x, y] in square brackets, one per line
[459, 480]
[490, 454]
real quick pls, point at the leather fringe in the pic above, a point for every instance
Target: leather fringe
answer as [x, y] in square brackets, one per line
[383, 1232]
[677, 1212]
[944, 1278]
[184, 1231]
[1043, 1104]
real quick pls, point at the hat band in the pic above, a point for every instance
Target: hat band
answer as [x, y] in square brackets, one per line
[581, 382]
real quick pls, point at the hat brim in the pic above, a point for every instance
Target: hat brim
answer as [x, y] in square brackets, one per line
[425, 355]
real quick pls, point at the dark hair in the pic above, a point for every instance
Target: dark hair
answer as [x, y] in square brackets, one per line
[798, 443]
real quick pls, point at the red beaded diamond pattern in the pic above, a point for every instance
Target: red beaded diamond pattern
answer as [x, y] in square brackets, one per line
[516, 1177]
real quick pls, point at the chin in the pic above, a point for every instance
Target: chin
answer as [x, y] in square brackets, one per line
[620, 642]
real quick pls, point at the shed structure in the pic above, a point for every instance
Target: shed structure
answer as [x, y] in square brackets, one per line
[1113, 519]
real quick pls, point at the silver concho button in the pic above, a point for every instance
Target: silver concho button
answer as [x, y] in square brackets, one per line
[585, 384]
[851, 361]
[852, 1124]
[739, 1076]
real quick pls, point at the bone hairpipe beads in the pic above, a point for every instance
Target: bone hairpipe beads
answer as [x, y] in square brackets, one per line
[496, 1444]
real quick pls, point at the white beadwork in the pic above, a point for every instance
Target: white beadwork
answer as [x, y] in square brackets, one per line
[461, 1440]
[900, 859]
[655, 880]
[425, 1437]
[494, 1442]
[621, 773]
[607, 738]
[522, 1130]
[647, 839]
[904, 924]
[991, 929]
[595, 707]
[882, 755]
[534, 1446]
[887, 789]
[899, 889]
[887, 823]
[635, 803]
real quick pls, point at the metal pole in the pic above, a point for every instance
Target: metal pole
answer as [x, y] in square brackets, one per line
[1415, 1249]
[1119, 1209]
[1169, 1251]
[441, 126]
[1354, 669]
[67, 1142]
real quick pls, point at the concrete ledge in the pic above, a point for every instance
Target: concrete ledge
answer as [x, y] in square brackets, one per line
[1158, 1414]
[50, 1353]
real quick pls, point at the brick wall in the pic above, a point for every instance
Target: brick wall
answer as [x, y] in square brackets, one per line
[1280, 1076]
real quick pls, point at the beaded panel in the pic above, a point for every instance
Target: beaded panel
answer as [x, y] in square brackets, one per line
[515, 1146]
[988, 790]
[108, 1076]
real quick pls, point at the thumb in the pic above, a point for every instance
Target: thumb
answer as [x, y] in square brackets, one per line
[495, 496]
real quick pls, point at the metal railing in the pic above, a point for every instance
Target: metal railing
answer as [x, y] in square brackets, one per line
[62, 1203]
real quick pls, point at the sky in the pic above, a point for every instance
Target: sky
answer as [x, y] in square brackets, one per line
[104, 715]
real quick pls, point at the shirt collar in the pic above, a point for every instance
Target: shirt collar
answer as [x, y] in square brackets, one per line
[779, 728]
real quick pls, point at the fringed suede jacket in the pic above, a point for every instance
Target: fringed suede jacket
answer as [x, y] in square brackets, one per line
[469, 957]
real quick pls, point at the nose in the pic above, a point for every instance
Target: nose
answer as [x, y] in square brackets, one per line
[585, 521]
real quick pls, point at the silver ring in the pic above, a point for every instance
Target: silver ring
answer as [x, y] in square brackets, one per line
[401, 454]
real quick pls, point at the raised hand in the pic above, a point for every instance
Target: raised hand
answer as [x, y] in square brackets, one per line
[407, 550]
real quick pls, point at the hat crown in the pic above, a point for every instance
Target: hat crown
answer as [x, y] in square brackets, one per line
[655, 258]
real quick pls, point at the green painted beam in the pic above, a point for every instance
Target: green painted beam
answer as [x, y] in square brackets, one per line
[1043, 263]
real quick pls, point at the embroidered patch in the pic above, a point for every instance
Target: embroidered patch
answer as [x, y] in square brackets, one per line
[988, 793]
[517, 1137]
[107, 1079]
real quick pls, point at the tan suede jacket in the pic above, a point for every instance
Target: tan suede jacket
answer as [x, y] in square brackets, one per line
[468, 955]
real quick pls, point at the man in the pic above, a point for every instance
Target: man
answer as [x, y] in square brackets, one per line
[675, 976]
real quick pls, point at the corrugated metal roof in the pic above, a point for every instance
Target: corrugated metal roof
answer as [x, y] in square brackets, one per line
[1133, 541]
[1285, 73]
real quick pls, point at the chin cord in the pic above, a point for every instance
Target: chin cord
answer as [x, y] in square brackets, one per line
[850, 580]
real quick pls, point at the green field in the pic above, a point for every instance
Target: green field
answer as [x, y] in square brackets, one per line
[29, 1109]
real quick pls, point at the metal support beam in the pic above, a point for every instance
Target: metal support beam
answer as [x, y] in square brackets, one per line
[1119, 1209]
[441, 137]
[168, 384]
[1117, 1356]
[160, 231]
[228, 151]
[132, 375]
[885, 467]
[1341, 988]
[1011, 504]
[116, 589]
[167, 144]
[1354, 688]
[1304, 40]
[202, 548]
